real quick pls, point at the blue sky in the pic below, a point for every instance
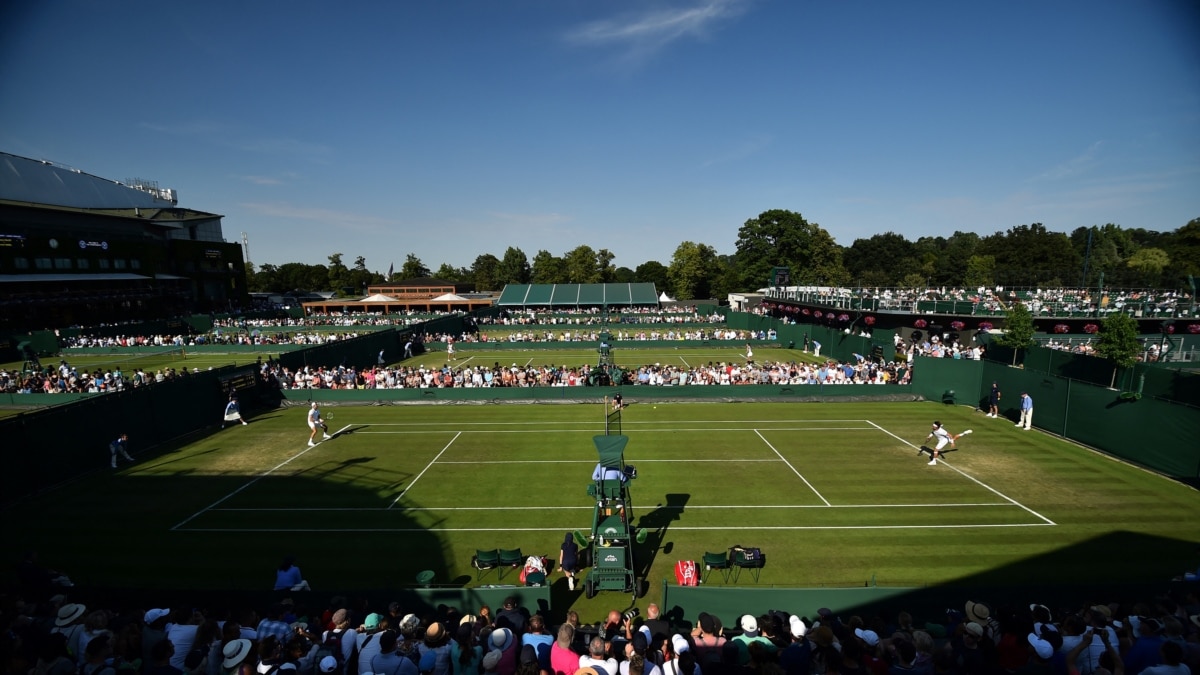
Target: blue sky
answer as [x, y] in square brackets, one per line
[448, 130]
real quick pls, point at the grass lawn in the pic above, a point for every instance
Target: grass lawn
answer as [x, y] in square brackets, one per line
[834, 494]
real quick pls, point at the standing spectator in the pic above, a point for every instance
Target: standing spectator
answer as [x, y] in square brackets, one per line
[709, 642]
[562, 658]
[388, 661]
[120, 449]
[465, 652]
[1026, 411]
[540, 639]
[597, 657]
[994, 401]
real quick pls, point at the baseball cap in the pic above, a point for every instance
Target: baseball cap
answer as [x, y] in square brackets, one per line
[328, 664]
[749, 625]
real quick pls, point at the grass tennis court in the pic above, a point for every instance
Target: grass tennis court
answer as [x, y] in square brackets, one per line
[834, 494]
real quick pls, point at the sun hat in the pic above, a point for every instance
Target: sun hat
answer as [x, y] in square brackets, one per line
[235, 651]
[502, 639]
[977, 612]
[435, 632]
[468, 619]
[974, 629]
[339, 616]
[749, 625]
[409, 623]
[68, 613]
[797, 626]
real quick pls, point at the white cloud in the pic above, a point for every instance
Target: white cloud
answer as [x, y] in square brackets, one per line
[1074, 166]
[645, 33]
[336, 219]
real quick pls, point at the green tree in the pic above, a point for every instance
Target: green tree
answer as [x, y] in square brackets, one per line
[949, 268]
[691, 271]
[880, 260]
[981, 271]
[583, 266]
[1150, 263]
[652, 272]
[1030, 255]
[624, 275]
[1118, 342]
[448, 272]
[413, 268]
[785, 238]
[548, 269]
[484, 273]
[339, 274]
[1018, 329]
[514, 267]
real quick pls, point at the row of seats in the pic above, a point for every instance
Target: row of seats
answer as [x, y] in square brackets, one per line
[499, 559]
[729, 564]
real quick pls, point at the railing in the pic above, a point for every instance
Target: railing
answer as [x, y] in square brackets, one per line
[1063, 302]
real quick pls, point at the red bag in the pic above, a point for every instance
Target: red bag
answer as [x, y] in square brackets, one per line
[685, 573]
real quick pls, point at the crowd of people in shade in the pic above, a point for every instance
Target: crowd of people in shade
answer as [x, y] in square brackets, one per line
[1160, 636]
[596, 316]
[997, 300]
[218, 336]
[593, 335]
[66, 378]
[469, 375]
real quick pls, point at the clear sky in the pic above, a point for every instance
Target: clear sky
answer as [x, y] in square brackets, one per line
[452, 129]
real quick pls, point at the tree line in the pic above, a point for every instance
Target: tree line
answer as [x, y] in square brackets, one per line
[1022, 256]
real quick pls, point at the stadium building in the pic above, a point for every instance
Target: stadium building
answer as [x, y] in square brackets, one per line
[77, 249]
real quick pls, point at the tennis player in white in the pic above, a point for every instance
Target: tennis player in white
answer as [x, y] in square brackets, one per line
[315, 422]
[944, 437]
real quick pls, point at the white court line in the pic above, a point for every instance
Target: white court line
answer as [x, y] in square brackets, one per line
[427, 467]
[789, 464]
[589, 463]
[674, 528]
[459, 425]
[254, 480]
[971, 478]
[370, 509]
[660, 430]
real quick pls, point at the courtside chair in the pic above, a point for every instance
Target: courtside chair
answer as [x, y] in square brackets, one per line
[510, 558]
[716, 561]
[740, 560]
[484, 561]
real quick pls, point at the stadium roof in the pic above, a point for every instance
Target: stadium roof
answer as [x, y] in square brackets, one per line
[577, 295]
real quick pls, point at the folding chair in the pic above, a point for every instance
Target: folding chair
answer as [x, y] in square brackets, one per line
[510, 558]
[483, 561]
[716, 561]
[742, 558]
